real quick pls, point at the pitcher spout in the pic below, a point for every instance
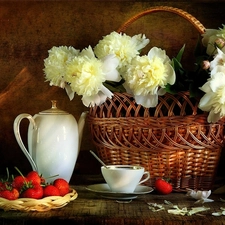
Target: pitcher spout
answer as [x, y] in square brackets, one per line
[81, 123]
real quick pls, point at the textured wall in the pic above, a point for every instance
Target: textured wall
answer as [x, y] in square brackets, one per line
[29, 28]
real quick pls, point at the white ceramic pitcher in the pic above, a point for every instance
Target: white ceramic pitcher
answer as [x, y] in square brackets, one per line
[54, 139]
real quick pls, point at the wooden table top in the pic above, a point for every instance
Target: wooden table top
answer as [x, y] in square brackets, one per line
[91, 208]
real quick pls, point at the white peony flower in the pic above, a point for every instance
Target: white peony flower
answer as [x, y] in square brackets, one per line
[56, 63]
[140, 41]
[219, 60]
[209, 38]
[146, 74]
[122, 46]
[214, 99]
[98, 98]
[86, 75]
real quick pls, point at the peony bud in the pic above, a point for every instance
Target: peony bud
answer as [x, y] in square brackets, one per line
[219, 43]
[205, 65]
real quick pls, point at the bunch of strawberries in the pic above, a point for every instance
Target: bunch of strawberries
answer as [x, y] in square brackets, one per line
[32, 185]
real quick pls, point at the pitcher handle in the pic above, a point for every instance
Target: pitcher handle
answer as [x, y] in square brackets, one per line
[16, 128]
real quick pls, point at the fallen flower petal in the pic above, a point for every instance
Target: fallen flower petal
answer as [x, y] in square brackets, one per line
[221, 213]
[155, 207]
[178, 211]
[168, 202]
[184, 211]
[201, 196]
[197, 210]
[203, 200]
[217, 214]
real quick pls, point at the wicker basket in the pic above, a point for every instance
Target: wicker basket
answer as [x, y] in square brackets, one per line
[172, 140]
[40, 205]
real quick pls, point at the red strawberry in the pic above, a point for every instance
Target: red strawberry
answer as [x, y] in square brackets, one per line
[62, 185]
[18, 182]
[43, 181]
[10, 194]
[34, 177]
[163, 187]
[32, 190]
[50, 190]
[4, 185]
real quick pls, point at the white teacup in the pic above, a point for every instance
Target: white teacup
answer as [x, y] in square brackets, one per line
[124, 178]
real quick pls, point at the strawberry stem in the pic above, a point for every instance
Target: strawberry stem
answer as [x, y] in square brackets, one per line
[27, 184]
[7, 172]
[19, 171]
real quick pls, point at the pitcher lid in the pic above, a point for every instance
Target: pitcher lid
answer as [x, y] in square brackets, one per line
[54, 110]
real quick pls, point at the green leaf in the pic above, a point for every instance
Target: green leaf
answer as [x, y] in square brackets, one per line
[180, 54]
[115, 86]
[176, 64]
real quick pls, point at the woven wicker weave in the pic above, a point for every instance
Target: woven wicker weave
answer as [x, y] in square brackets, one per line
[40, 205]
[172, 140]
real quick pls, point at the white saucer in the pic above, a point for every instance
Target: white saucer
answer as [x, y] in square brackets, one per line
[105, 191]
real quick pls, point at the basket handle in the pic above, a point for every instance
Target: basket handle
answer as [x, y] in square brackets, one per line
[197, 24]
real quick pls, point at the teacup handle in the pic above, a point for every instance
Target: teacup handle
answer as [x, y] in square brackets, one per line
[147, 178]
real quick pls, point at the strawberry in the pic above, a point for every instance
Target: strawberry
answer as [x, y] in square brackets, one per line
[50, 190]
[3, 185]
[32, 190]
[10, 193]
[163, 187]
[34, 177]
[43, 181]
[18, 182]
[62, 185]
